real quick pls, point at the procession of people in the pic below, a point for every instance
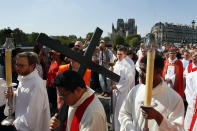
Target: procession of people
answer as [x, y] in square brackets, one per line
[47, 81]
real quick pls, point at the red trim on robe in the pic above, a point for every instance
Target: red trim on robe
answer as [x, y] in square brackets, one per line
[178, 84]
[79, 114]
[190, 69]
[194, 117]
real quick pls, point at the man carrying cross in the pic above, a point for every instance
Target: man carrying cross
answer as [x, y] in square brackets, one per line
[85, 60]
[85, 110]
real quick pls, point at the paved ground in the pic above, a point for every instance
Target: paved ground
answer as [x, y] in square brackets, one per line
[106, 101]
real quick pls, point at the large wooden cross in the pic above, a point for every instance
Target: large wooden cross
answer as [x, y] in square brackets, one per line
[85, 61]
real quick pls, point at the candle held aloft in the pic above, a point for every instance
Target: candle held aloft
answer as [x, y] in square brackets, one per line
[8, 67]
[149, 77]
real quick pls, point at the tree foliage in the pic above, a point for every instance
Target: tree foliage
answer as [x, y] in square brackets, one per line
[133, 40]
[89, 35]
[64, 39]
[119, 40]
[24, 39]
[107, 39]
[19, 37]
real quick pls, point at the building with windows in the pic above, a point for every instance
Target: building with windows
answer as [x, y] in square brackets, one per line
[174, 33]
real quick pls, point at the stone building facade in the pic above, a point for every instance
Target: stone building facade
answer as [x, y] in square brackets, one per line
[172, 33]
[124, 28]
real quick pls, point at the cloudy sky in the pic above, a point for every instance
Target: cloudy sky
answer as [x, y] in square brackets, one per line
[78, 17]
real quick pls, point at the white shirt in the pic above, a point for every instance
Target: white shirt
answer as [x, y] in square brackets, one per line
[185, 62]
[139, 53]
[166, 101]
[31, 105]
[94, 118]
[2, 90]
[137, 64]
[190, 93]
[127, 81]
[186, 69]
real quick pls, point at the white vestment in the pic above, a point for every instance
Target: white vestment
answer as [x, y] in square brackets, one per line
[170, 73]
[30, 103]
[126, 82]
[185, 73]
[185, 62]
[93, 119]
[2, 90]
[165, 100]
[137, 64]
[139, 53]
[190, 93]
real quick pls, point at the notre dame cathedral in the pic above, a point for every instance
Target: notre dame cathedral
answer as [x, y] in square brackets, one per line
[124, 28]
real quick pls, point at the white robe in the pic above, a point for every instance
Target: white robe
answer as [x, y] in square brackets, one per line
[185, 73]
[94, 118]
[166, 101]
[2, 90]
[185, 62]
[31, 105]
[127, 81]
[190, 93]
[170, 73]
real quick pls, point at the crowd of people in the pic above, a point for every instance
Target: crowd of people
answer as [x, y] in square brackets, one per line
[47, 80]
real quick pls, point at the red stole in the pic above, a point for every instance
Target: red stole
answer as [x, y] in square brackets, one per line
[190, 69]
[194, 117]
[178, 71]
[79, 114]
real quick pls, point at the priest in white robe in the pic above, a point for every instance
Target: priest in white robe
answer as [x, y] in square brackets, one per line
[192, 66]
[126, 70]
[30, 100]
[167, 112]
[86, 112]
[191, 94]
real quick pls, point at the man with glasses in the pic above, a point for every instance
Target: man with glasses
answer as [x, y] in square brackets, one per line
[30, 100]
[85, 110]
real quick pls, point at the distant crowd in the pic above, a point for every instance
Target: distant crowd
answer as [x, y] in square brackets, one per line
[173, 88]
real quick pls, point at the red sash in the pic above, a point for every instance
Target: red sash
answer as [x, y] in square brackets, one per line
[178, 71]
[194, 117]
[190, 69]
[79, 114]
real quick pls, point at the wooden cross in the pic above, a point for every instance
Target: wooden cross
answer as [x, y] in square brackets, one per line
[85, 62]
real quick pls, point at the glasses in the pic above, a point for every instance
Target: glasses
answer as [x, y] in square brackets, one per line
[62, 95]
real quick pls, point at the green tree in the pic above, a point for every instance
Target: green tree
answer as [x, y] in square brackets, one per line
[106, 39]
[2, 37]
[119, 40]
[135, 42]
[64, 39]
[32, 38]
[19, 37]
[130, 37]
[89, 35]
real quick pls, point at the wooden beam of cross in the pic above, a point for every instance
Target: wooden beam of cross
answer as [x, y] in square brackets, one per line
[85, 60]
